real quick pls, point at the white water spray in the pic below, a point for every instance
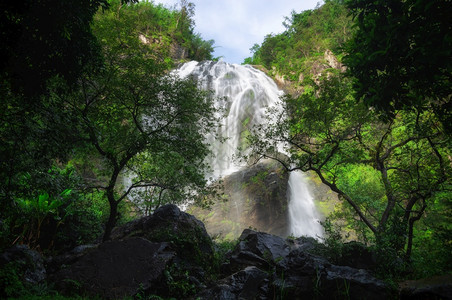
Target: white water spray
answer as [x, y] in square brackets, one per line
[245, 93]
[304, 219]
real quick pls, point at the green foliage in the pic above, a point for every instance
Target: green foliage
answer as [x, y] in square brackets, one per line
[170, 173]
[47, 43]
[178, 282]
[365, 184]
[33, 135]
[46, 38]
[84, 220]
[390, 263]
[38, 126]
[84, 103]
[43, 209]
[334, 241]
[144, 122]
[386, 173]
[222, 247]
[13, 285]
[432, 252]
[400, 55]
[108, 112]
[166, 34]
[10, 280]
[307, 34]
[58, 218]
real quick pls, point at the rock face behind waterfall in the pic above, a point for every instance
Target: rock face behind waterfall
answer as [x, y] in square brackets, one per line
[254, 197]
[257, 198]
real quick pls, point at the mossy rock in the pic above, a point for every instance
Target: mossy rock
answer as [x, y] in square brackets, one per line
[256, 198]
[186, 234]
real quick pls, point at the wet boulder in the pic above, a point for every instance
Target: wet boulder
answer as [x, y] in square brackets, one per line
[297, 271]
[55, 263]
[117, 269]
[263, 244]
[27, 263]
[259, 249]
[344, 281]
[249, 283]
[185, 233]
[168, 253]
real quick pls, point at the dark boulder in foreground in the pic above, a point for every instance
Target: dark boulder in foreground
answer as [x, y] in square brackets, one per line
[117, 269]
[170, 255]
[249, 283]
[437, 287]
[170, 224]
[292, 273]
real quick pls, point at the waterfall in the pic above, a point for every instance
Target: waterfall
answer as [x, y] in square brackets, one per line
[303, 216]
[244, 94]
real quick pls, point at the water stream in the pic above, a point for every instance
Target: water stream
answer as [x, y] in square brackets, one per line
[244, 93]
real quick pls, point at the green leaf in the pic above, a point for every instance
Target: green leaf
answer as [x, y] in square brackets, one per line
[43, 202]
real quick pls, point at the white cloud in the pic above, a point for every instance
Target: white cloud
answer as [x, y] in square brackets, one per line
[236, 25]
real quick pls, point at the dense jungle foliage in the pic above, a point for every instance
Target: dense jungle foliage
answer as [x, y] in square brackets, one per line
[308, 34]
[373, 123]
[77, 80]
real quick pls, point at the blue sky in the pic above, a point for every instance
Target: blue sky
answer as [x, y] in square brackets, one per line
[236, 25]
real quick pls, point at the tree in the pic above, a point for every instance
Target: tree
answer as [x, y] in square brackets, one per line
[137, 118]
[41, 40]
[346, 144]
[142, 121]
[400, 56]
[53, 51]
[45, 38]
[307, 33]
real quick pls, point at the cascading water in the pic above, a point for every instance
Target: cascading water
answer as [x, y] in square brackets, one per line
[244, 93]
[303, 216]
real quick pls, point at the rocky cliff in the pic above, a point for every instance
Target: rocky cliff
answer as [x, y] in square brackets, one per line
[253, 198]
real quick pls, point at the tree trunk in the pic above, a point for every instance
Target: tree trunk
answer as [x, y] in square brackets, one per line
[111, 223]
[409, 246]
[410, 231]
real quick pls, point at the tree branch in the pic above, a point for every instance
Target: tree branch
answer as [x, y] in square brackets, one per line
[142, 185]
[334, 188]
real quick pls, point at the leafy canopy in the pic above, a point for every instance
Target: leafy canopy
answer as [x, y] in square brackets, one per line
[388, 173]
[70, 84]
[400, 55]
